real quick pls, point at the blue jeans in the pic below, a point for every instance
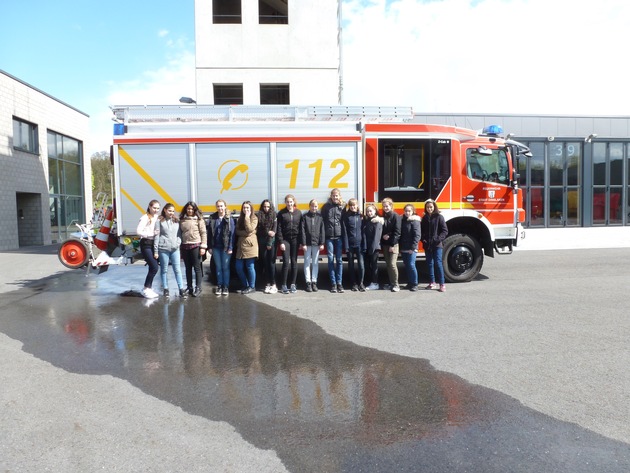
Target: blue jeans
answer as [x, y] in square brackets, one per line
[244, 266]
[222, 263]
[311, 263]
[409, 259]
[173, 257]
[434, 258]
[335, 263]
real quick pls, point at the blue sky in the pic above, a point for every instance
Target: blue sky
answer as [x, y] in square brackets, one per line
[86, 53]
[470, 56]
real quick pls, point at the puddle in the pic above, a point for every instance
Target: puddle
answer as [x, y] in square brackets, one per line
[323, 404]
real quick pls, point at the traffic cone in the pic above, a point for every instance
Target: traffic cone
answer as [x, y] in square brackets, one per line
[100, 240]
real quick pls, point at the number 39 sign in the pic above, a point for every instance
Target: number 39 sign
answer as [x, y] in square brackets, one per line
[309, 170]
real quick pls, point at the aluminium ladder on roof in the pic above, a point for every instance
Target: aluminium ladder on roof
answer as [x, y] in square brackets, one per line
[228, 113]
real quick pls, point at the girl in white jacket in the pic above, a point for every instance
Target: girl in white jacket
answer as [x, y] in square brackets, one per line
[146, 232]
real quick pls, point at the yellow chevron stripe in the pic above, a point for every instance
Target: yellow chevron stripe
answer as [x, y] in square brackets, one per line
[145, 175]
[135, 204]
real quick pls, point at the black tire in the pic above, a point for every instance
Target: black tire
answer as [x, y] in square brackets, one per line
[462, 258]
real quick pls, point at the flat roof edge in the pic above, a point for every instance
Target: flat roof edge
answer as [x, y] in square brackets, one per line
[43, 93]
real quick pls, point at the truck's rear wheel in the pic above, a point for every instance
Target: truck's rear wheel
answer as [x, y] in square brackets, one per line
[73, 254]
[462, 258]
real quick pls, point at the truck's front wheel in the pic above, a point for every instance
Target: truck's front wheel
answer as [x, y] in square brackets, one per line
[462, 258]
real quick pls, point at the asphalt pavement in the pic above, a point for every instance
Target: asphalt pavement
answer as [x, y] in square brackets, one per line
[570, 365]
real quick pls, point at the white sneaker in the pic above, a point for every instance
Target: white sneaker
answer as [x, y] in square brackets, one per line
[267, 289]
[372, 287]
[395, 288]
[149, 293]
[273, 289]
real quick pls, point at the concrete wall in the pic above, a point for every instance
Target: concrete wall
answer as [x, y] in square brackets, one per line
[304, 53]
[24, 175]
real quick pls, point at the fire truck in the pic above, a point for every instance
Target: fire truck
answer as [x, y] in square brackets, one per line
[251, 153]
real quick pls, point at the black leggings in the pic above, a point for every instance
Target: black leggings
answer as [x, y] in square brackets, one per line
[154, 266]
[192, 261]
[289, 257]
[371, 268]
[267, 261]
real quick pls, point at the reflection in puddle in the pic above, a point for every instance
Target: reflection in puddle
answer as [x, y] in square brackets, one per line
[322, 403]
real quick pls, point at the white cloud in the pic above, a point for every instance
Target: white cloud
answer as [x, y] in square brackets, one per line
[162, 86]
[502, 56]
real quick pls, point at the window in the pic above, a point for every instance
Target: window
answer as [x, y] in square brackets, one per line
[564, 169]
[492, 167]
[25, 136]
[65, 184]
[226, 11]
[228, 94]
[532, 183]
[413, 169]
[274, 94]
[608, 183]
[273, 12]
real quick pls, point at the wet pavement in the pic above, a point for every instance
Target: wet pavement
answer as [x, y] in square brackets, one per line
[321, 403]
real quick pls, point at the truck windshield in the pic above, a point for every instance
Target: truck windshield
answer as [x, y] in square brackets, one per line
[493, 167]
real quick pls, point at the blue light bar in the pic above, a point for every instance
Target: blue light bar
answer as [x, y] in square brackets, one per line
[493, 130]
[119, 129]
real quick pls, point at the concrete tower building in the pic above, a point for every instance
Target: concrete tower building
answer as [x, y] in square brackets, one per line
[268, 52]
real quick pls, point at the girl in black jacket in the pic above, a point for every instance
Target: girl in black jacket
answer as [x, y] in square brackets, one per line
[389, 242]
[351, 230]
[371, 243]
[266, 232]
[287, 236]
[434, 231]
[312, 238]
[332, 212]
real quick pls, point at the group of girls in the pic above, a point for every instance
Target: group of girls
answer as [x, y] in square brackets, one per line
[167, 238]
[341, 227]
[393, 234]
[338, 227]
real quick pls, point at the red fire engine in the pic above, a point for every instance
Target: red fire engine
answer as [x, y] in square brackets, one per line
[239, 153]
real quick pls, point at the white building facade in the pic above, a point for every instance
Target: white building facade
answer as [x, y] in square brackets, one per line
[268, 52]
[45, 183]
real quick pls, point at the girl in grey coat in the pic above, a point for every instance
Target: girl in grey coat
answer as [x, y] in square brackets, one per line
[168, 238]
